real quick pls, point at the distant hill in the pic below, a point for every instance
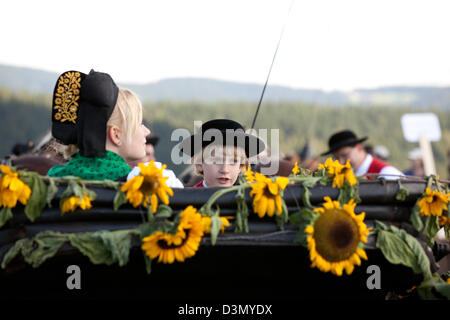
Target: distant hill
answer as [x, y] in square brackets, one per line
[211, 90]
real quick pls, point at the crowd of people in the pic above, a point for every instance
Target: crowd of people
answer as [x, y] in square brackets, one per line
[98, 133]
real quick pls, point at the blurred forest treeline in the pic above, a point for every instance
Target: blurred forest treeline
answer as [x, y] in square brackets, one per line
[27, 117]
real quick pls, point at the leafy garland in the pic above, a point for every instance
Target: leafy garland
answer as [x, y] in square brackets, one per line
[429, 214]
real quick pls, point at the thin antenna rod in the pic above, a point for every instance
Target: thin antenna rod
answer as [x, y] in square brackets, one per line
[271, 65]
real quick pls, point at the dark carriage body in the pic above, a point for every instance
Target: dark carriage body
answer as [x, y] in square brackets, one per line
[263, 264]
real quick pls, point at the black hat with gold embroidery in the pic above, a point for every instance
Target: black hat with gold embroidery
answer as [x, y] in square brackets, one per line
[82, 104]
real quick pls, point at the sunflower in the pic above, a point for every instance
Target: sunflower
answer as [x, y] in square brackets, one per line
[340, 173]
[12, 189]
[296, 170]
[149, 183]
[71, 203]
[249, 175]
[433, 202]
[206, 221]
[179, 246]
[267, 194]
[444, 221]
[334, 237]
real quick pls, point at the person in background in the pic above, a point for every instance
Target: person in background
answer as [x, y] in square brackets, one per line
[381, 152]
[344, 145]
[20, 148]
[416, 161]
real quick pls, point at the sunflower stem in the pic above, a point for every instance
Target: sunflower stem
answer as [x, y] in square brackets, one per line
[207, 206]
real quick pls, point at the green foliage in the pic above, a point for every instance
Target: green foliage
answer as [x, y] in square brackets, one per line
[416, 218]
[399, 247]
[119, 199]
[36, 250]
[38, 198]
[431, 228]
[104, 247]
[5, 215]
[402, 192]
[302, 219]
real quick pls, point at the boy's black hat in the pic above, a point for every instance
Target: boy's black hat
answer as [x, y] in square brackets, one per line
[225, 132]
[342, 139]
[81, 107]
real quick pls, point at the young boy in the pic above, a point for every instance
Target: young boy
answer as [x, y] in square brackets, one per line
[220, 151]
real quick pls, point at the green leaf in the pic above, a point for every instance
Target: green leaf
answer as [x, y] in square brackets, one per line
[306, 196]
[433, 288]
[42, 247]
[241, 223]
[52, 189]
[345, 194]
[5, 215]
[148, 264]
[304, 216]
[119, 199]
[216, 223]
[310, 182]
[76, 188]
[431, 228]
[150, 215]
[90, 193]
[301, 236]
[13, 252]
[402, 192]
[110, 184]
[443, 289]
[37, 250]
[38, 198]
[416, 218]
[163, 211]
[399, 247]
[324, 181]
[106, 247]
[144, 230]
[282, 218]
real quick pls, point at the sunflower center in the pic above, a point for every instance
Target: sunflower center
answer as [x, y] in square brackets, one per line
[149, 185]
[336, 235]
[267, 193]
[164, 245]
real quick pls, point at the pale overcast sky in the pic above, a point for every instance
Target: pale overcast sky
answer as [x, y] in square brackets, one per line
[327, 44]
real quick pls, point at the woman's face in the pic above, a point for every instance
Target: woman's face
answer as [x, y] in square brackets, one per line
[135, 150]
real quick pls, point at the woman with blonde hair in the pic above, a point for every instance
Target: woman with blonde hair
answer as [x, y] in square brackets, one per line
[103, 121]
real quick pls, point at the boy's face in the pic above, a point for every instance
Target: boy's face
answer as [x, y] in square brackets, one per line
[221, 167]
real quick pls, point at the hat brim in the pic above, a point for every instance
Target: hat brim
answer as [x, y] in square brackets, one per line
[342, 144]
[250, 143]
[153, 140]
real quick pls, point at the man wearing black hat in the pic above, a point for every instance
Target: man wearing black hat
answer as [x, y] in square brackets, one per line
[345, 145]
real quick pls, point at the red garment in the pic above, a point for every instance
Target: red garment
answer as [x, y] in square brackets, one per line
[376, 166]
[198, 185]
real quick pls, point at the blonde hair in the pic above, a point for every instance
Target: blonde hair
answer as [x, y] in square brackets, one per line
[238, 152]
[127, 114]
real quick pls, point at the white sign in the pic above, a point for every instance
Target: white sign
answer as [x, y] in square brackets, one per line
[414, 124]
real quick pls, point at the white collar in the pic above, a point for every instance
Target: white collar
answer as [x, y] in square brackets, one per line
[364, 167]
[204, 184]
